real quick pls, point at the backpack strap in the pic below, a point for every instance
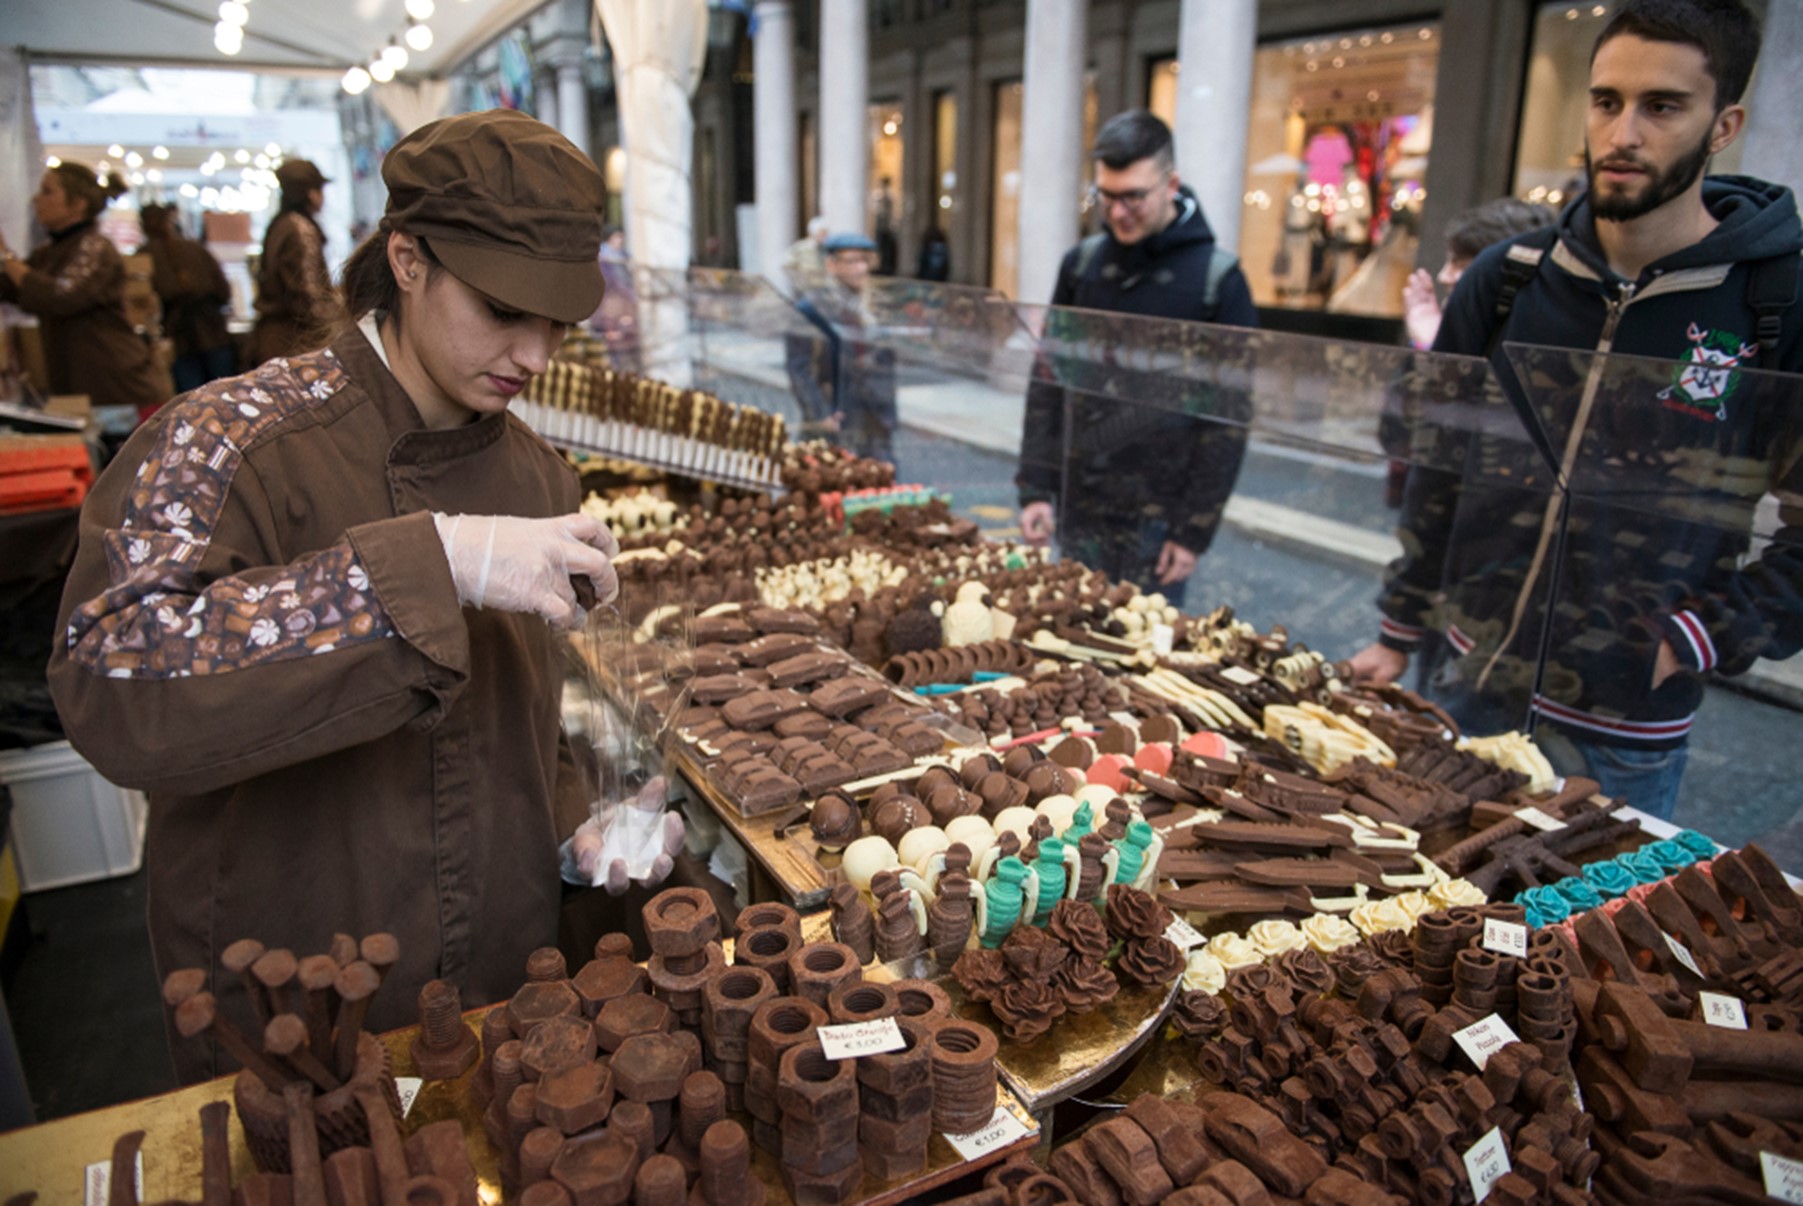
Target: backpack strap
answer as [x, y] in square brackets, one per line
[1087, 251]
[1220, 263]
[1519, 267]
[1771, 290]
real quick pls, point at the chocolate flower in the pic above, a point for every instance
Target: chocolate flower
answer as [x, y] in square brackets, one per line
[1135, 914]
[1694, 842]
[1027, 1009]
[1033, 954]
[1644, 870]
[1354, 965]
[1609, 878]
[1580, 895]
[1395, 947]
[1084, 984]
[982, 974]
[1151, 961]
[1308, 971]
[1244, 982]
[1198, 1016]
[1670, 855]
[1078, 925]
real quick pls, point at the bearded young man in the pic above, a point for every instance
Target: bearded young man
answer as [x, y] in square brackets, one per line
[1656, 260]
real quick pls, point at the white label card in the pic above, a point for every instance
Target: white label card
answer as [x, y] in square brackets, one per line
[1004, 1128]
[1239, 676]
[1539, 820]
[1183, 934]
[861, 1038]
[1484, 1038]
[1722, 1010]
[1487, 1162]
[1163, 637]
[409, 1087]
[1682, 954]
[97, 1181]
[1783, 1178]
[1505, 937]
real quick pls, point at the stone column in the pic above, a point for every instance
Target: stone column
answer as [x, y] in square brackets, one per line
[545, 99]
[775, 163]
[1773, 151]
[844, 113]
[1052, 157]
[1215, 43]
[572, 105]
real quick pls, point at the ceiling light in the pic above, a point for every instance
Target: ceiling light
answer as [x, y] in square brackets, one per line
[272, 149]
[137, 177]
[116, 151]
[395, 55]
[134, 160]
[356, 81]
[159, 152]
[419, 37]
[420, 10]
[208, 168]
[228, 39]
[51, 161]
[261, 160]
[380, 70]
[233, 12]
[154, 175]
[189, 191]
[240, 156]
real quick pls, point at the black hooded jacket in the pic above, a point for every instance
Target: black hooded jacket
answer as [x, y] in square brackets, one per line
[1666, 463]
[1130, 463]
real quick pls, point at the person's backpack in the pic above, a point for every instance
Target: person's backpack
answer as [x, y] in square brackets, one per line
[1220, 263]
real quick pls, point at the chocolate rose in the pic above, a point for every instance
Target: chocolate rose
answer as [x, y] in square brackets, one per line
[1135, 914]
[1249, 982]
[1352, 966]
[1609, 878]
[1395, 947]
[1085, 984]
[1198, 1016]
[1308, 971]
[982, 974]
[1151, 961]
[1033, 954]
[1027, 1010]
[1078, 925]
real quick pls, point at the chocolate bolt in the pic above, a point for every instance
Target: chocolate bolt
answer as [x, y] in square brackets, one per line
[380, 951]
[275, 971]
[286, 1038]
[356, 986]
[308, 1182]
[199, 1014]
[237, 960]
[544, 964]
[445, 1047]
[316, 975]
[384, 1141]
[215, 1154]
[343, 949]
[178, 986]
[725, 1157]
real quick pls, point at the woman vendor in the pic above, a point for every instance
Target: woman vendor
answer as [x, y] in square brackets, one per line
[314, 609]
[75, 284]
[297, 308]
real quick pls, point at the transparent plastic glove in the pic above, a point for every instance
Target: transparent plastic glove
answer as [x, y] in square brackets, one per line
[636, 844]
[507, 563]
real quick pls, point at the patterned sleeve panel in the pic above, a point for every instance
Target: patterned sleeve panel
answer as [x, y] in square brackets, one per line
[157, 618]
[93, 275]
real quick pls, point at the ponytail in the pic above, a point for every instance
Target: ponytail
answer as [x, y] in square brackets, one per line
[368, 282]
[81, 182]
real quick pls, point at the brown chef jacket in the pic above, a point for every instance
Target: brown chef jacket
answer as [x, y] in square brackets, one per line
[296, 304]
[261, 631]
[76, 287]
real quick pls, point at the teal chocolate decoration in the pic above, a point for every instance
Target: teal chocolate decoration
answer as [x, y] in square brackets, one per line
[1644, 869]
[1082, 821]
[1578, 894]
[1004, 897]
[1053, 878]
[1609, 878]
[1133, 849]
[1698, 845]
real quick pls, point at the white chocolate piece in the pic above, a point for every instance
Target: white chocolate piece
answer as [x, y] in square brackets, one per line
[865, 857]
[1059, 810]
[1017, 820]
[918, 845]
[975, 832]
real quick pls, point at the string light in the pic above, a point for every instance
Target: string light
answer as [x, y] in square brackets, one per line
[380, 70]
[419, 37]
[356, 81]
[420, 10]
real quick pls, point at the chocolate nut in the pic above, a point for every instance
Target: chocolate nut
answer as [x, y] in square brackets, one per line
[603, 980]
[728, 1001]
[911, 1067]
[652, 1067]
[823, 1189]
[819, 967]
[780, 1023]
[808, 1157]
[892, 1166]
[963, 1076]
[681, 990]
[769, 913]
[596, 1169]
[555, 1044]
[680, 921]
[800, 1136]
[861, 1001]
[576, 1098]
[769, 948]
[626, 1016]
[901, 1135]
[895, 1107]
[534, 1003]
[812, 1088]
[921, 999]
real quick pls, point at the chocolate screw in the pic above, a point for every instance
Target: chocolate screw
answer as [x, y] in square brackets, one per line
[286, 1036]
[199, 1014]
[343, 950]
[356, 986]
[237, 959]
[122, 1190]
[384, 1141]
[215, 1155]
[381, 951]
[274, 970]
[308, 1182]
[316, 974]
[178, 986]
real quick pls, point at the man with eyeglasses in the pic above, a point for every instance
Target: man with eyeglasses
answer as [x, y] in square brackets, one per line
[1141, 488]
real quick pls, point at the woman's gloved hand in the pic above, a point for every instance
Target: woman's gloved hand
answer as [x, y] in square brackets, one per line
[639, 846]
[507, 563]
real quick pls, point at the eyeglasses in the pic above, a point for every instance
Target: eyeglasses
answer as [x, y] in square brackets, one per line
[1134, 198]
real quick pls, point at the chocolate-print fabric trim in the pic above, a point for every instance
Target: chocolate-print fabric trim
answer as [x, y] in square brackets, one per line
[157, 620]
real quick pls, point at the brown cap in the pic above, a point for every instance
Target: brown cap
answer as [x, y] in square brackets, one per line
[300, 173]
[506, 203]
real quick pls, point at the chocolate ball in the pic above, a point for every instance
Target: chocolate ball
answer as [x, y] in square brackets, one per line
[835, 820]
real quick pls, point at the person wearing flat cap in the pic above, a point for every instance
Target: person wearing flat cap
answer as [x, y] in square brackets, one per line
[844, 385]
[315, 610]
[297, 308]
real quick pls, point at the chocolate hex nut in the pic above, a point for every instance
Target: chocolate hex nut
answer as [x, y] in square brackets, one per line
[652, 1067]
[780, 1023]
[819, 967]
[555, 1044]
[767, 913]
[892, 1166]
[823, 1189]
[812, 1088]
[801, 1136]
[597, 1169]
[861, 1001]
[534, 1003]
[901, 1135]
[626, 1016]
[921, 999]
[894, 1072]
[810, 1158]
[602, 980]
[576, 1098]
[895, 1107]
[729, 1000]
[680, 922]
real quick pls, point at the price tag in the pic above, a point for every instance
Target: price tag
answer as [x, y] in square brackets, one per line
[97, 1181]
[1487, 1162]
[1539, 820]
[1722, 1010]
[1004, 1128]
[409, 1087]
[1239, 676]
[1505, 937]
[1484, 1038]
[1183, 934]
[1163, 637]
[1783, 1178]
[1682, 954]
[861, 1038]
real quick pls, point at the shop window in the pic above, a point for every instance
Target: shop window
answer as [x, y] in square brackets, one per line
[945, 157]
[882, 209]
[1336, 163]
[808, 146]
[1161, 91]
